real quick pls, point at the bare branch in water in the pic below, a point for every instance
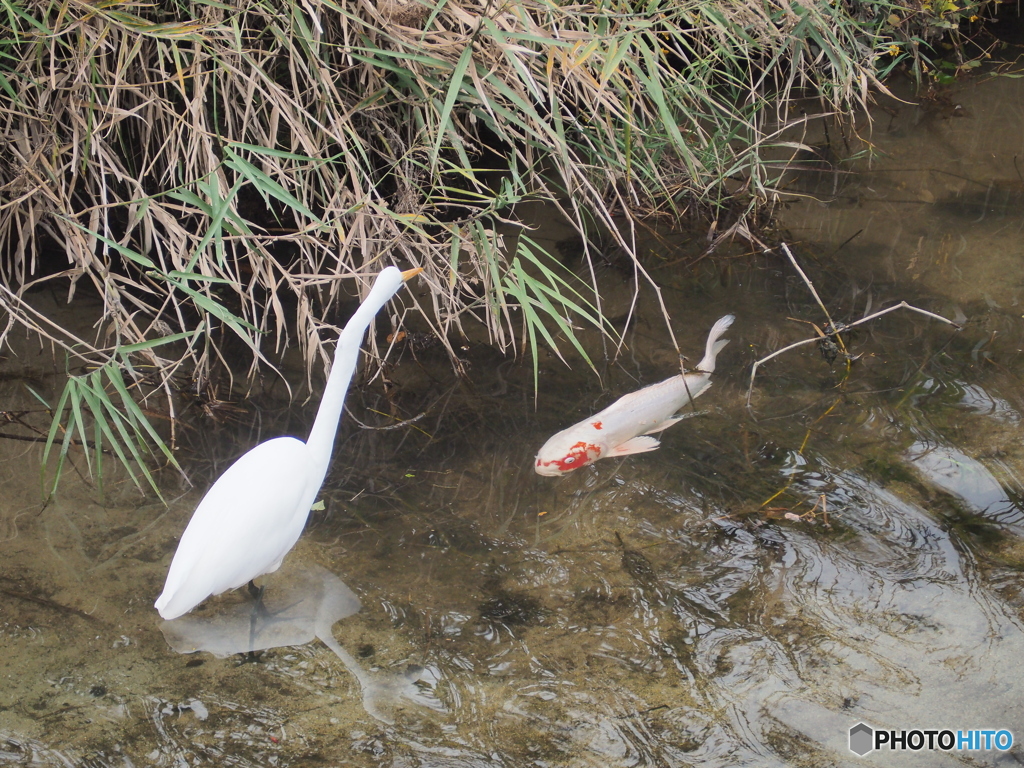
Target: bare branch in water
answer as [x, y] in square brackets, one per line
[833, 331]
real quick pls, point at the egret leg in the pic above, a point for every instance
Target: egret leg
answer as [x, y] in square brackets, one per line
[256, 593]
[259, 610]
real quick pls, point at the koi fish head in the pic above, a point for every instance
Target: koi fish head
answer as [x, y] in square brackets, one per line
[564, 453]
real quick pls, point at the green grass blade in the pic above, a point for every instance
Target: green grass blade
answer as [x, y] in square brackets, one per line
[51, 436]
[104, 413]
[76, 421]
[266, 186]
[128, 253]
[38, 397]
[139, 419]
[221, 209]
[444, 127]
[126, 349]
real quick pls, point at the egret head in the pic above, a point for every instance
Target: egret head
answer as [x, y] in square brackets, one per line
[387, 284]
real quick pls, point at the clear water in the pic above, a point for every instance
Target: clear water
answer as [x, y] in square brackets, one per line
[659, 610]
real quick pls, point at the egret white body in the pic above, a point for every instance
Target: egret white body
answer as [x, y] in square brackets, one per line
[625, 427]
[253, 515]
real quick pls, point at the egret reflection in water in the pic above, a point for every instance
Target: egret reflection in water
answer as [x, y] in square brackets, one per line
[304, 605]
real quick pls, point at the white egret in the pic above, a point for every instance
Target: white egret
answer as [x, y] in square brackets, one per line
[253, 515]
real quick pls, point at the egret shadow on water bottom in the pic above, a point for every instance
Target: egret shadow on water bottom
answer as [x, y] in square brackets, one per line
[301, 604]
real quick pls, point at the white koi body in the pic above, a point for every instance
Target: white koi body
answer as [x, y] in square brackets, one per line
[625, 426]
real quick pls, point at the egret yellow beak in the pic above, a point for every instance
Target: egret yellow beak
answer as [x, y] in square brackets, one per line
[410, 273]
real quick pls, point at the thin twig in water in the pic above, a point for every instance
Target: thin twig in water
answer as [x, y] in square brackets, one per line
[832, 330]
[810, 286]
[808, 283]
[399, 425]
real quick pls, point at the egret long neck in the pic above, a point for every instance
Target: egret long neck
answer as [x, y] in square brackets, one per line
[325, 426]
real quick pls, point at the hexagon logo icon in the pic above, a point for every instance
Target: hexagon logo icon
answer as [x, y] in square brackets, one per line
[861, 739]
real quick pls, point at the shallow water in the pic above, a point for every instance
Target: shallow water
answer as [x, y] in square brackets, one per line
[659, 610]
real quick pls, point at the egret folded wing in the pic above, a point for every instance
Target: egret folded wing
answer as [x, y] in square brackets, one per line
[243, 527]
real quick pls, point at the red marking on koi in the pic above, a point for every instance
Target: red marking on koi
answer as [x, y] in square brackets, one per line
[597, 425]
[579, 455]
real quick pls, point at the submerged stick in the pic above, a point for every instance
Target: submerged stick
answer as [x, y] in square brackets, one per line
[808, 283]
[835, 331]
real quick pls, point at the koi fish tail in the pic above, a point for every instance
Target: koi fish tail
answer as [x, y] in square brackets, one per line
[714, 346]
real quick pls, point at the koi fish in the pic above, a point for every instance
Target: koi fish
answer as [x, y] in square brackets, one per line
[625, 427]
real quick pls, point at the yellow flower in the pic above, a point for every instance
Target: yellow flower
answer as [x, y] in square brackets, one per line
[894, 50]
